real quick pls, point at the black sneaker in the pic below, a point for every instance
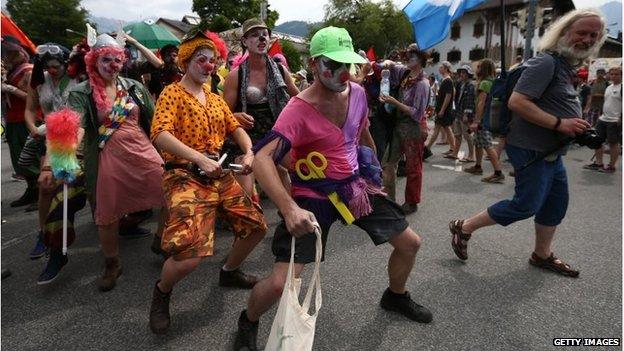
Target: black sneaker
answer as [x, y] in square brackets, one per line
[53, 268]
[427, 153]
[403, 304]
[246, 335]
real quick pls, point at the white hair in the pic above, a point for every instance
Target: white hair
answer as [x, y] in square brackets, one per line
[551, 38]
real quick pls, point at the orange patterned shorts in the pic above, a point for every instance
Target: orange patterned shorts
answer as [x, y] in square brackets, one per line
[194, 206]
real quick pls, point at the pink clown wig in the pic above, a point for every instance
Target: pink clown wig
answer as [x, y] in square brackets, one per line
[97, 82]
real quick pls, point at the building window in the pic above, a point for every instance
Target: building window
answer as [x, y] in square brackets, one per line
[455, 30]
[478, 28]
[453, 55]
[476, 54]
[435, 57]
[496, 29]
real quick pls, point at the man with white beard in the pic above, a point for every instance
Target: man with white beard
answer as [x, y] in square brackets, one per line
[546, 112]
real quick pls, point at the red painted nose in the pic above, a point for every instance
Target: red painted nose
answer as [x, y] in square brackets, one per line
[208, 67]
[344, 76]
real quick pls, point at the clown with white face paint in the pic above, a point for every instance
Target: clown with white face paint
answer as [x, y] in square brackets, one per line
[327, 122]
[109, 66]
[257, 40]
[190, 126]
[334, 75]
[123, 170]
[201, 65]
[257, 91]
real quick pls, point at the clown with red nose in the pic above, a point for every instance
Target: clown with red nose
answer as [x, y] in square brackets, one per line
[190, 126]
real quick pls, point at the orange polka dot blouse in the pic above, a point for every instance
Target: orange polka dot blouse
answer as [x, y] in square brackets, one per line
[204, 128]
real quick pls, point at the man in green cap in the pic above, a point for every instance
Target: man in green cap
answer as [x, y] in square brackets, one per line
[328, 124]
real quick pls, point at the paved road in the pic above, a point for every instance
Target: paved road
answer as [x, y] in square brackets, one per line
[494, 301]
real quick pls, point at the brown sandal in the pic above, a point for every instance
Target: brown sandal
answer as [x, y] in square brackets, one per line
[459, 242]
[554, 264]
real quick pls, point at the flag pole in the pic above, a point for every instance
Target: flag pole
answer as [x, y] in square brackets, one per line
[502, 44]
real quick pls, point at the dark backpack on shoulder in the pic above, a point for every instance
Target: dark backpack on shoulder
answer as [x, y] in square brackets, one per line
[497, 115]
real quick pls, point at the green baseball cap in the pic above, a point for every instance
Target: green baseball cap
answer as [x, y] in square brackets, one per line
[336, 44]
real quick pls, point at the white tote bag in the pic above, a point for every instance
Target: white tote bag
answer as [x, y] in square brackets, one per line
[293, 327]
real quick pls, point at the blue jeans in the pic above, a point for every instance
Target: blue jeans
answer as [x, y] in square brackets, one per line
[541, 190]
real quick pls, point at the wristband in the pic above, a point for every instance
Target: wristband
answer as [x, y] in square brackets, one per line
[557, 124]
[46, 169]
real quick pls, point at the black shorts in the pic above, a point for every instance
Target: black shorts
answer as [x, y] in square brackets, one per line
[444, 121]
[386, 221]
[611, 132]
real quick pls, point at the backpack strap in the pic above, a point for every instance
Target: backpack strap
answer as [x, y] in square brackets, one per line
[557, 61]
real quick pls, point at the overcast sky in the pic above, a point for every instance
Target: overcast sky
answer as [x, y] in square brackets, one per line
[306, 10]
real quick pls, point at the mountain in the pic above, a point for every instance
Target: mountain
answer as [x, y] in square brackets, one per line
[106, 25]
[299, 28]
[613, 14]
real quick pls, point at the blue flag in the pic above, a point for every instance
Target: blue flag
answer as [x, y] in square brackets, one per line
[431, 18]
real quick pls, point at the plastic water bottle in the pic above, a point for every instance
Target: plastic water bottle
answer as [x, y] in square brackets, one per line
[384, 87]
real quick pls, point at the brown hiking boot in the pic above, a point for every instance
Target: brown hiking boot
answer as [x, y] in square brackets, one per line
[236, 279]
[160, 320]
[112, 271]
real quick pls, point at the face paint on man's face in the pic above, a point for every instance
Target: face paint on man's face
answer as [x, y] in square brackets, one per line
[109, 66]
[201, 65]
[334, 75]
[257, 41]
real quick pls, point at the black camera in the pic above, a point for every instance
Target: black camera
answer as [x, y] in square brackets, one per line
[589, 138]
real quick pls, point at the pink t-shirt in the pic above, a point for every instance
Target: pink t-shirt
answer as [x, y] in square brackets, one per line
[308, 130]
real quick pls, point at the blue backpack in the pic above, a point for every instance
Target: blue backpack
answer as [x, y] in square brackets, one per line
[497, 114]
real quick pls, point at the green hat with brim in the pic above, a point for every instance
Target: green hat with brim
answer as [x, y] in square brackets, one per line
[335, 44]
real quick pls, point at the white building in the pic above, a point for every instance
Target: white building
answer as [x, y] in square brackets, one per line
[476, 34]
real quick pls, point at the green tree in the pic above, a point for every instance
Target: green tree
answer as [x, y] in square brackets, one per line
[46, 21]
[292, 55]
[380, 25]
[220, 15]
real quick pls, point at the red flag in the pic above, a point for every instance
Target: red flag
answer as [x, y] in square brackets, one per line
[370, 54]
[276, 48]
[10, 28]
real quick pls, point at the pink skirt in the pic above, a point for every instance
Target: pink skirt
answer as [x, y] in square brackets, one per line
[130, 174]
